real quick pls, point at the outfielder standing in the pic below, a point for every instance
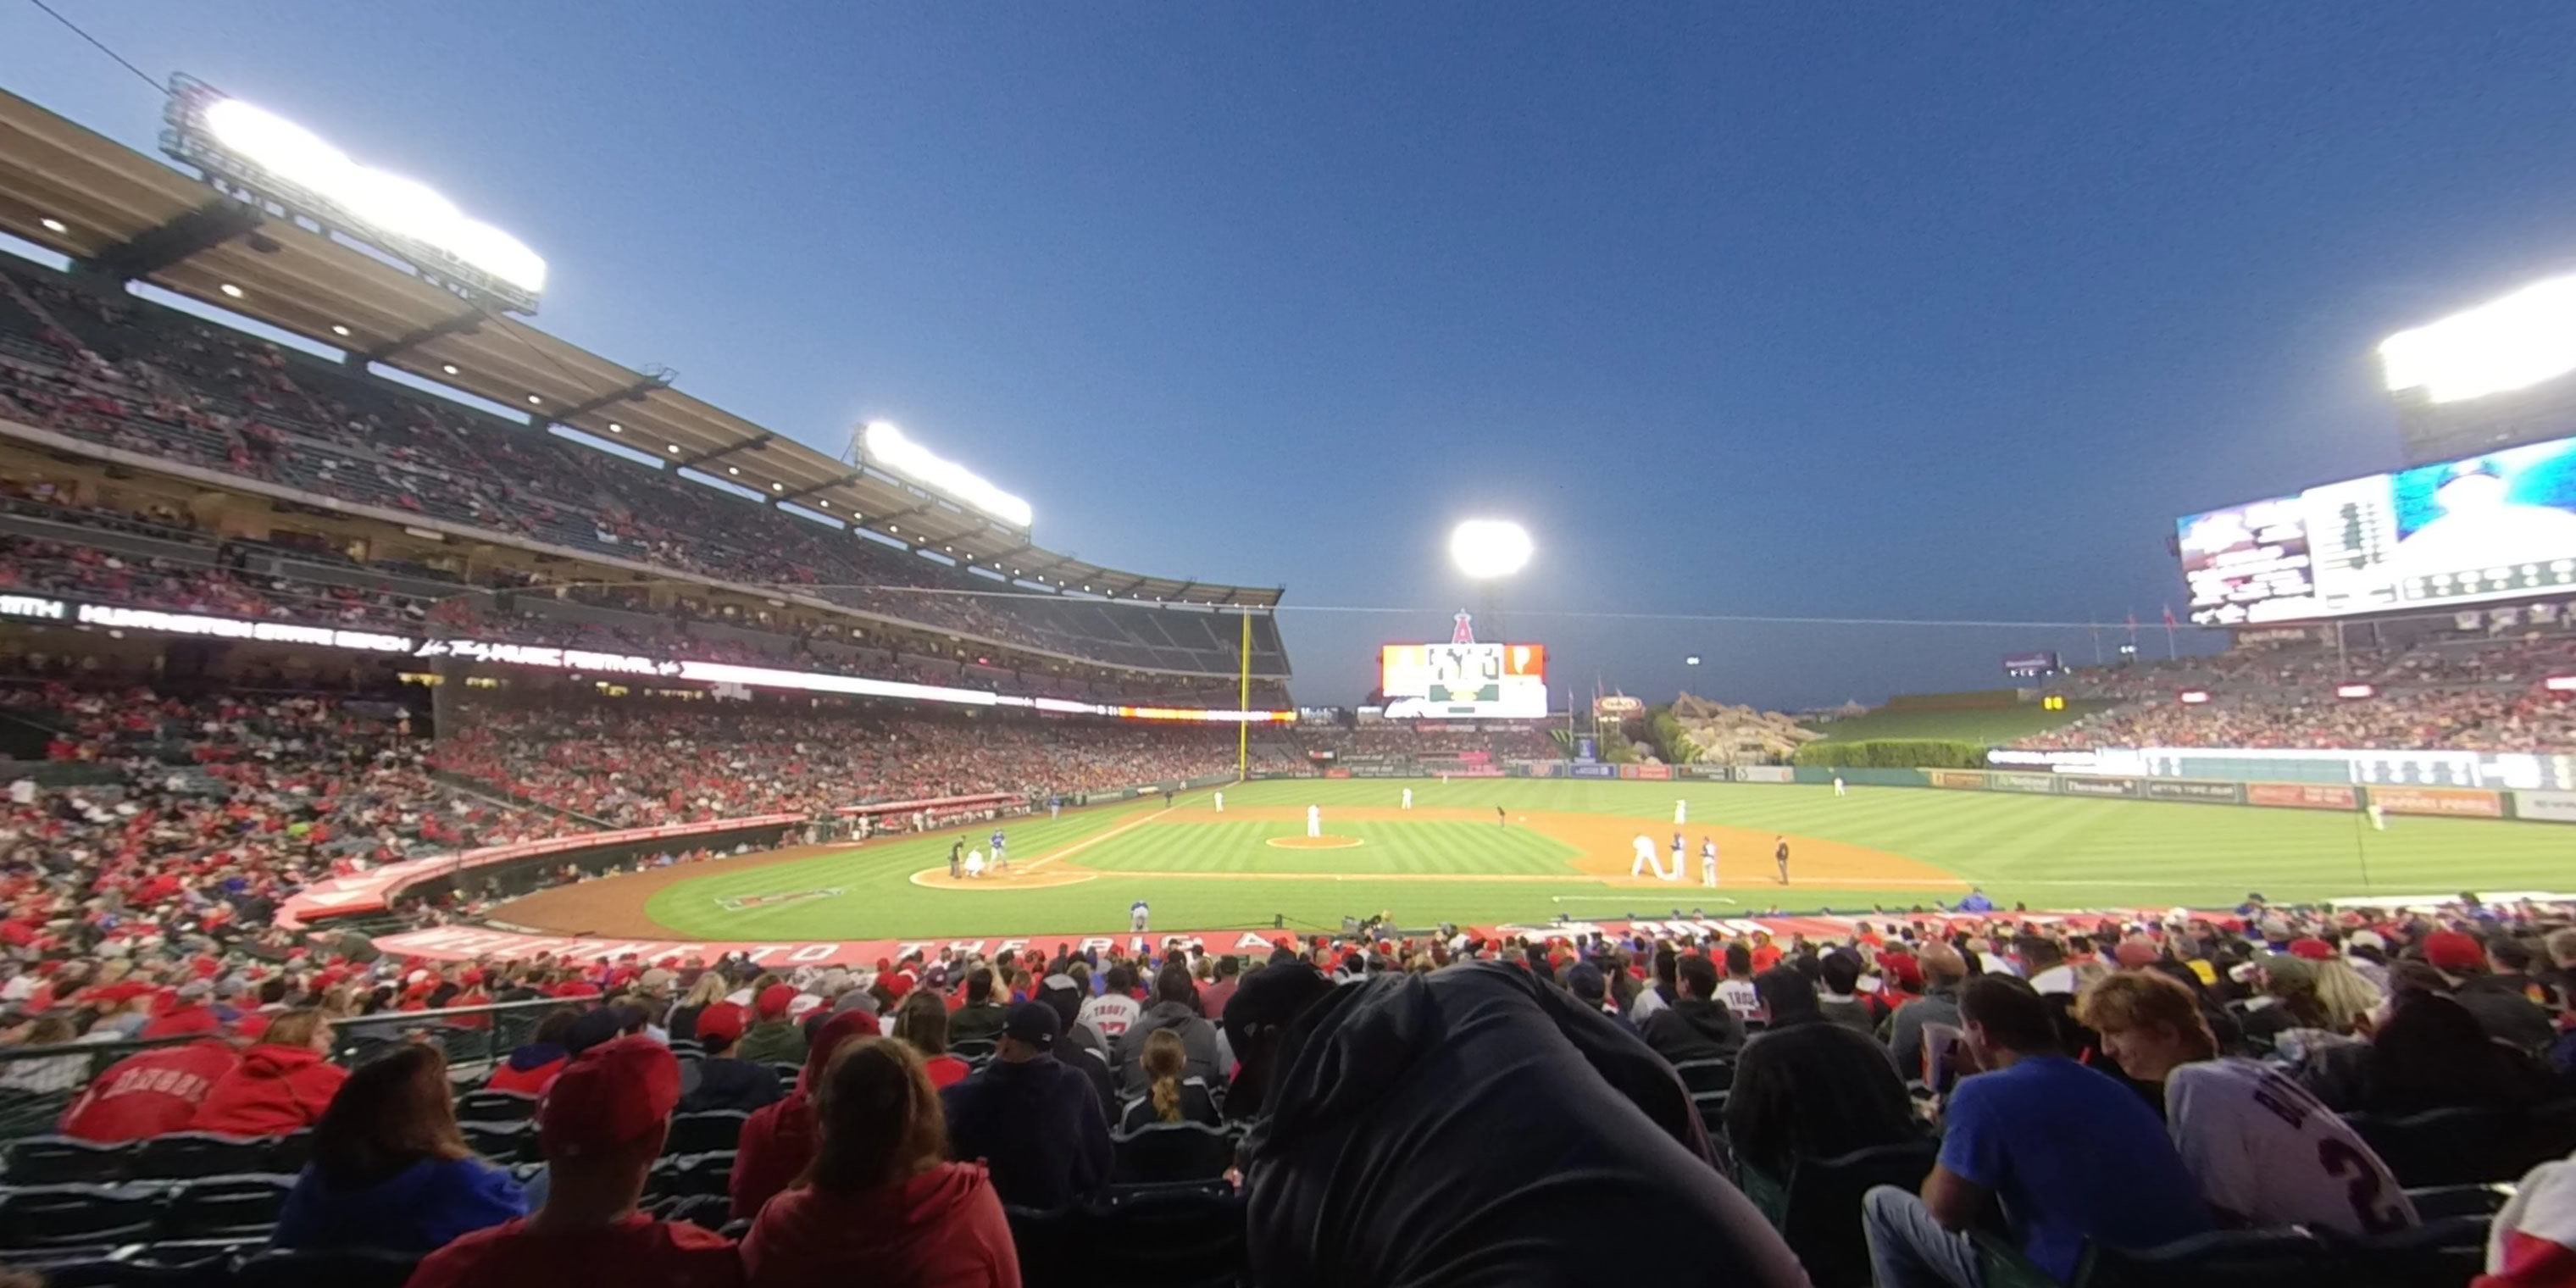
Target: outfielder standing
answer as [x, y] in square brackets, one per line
[1708, 861]
[1782, 854]
[1408, 798]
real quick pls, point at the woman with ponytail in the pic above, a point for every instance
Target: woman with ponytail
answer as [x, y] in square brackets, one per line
[879, 1204]
[1169, 1097]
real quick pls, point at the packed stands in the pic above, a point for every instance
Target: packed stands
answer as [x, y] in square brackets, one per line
[2474, 694]
[2352, 1017]
[123, 373]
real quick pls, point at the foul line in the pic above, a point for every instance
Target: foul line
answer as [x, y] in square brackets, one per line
[1079, 846]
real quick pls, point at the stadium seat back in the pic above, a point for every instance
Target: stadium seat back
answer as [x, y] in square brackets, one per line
[788, 1071]
[496, 1106]
[185, 1155]
[1817, 1210]
[226, 1207]
[333, 1267]
[1166, 1152]
[61, 1160]
[707, 1211]
[1175, 1237]
[975, 1051]
[195, 1268]
[684, 1175]
[705, 1132]
[1705, 1076]
[502, 1143]
[78, 1216]
[2218, 1259]
[1049, 1246]
[2468, 1146]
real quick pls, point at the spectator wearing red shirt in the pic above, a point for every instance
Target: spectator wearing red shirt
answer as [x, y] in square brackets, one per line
[189, 1013]
[778, 1140]
[880, 1202]
[601, 1131]
[150, 1094]
[534, 1066]
[1212, 999]
[281, 1085]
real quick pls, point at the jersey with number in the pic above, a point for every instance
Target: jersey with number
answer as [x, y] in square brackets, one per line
[2269, 1152]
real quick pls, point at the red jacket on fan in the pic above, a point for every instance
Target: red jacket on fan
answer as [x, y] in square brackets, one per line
[146, 1095]
[273, 1091]
[941, 1229]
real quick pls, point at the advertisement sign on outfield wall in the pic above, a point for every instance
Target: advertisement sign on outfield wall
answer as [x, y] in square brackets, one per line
[1961, 779]
[2041, 783]
[2456, 802]
[2213, 793]
[2080, 785]
[1766, 774]
[2302, 796]
[1593, 771]
[1652, 773]
[1705, 773]
[2547, 807]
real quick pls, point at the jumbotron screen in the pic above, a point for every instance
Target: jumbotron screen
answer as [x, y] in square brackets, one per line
[1463, 681]
[2499, 525]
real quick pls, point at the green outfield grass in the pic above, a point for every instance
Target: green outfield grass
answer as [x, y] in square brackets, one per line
[1994, 728]
[2050, 852]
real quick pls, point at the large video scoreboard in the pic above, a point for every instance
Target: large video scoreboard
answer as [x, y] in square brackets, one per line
[2497, 526]
[1464, 681]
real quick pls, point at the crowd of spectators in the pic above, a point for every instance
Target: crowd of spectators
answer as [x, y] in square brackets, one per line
[132, 375]
[2479, 694]
[2120, 1081]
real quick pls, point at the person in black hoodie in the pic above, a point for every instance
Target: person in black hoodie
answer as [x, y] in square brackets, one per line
[1695, 1025]
[1031, 1120]
[1176, 1006]
[1471, 1126]
[1808, 1086]
[717, 1080]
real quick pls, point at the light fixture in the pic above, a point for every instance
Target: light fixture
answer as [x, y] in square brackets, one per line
[449, 368]
[825, 504]
[231, 290]
[1488, 548]
[777, 487]
[339, 330]
[892, 528]
[675, 449]
[534, 400]
[53, 225]
[615, 428]
[733, 471]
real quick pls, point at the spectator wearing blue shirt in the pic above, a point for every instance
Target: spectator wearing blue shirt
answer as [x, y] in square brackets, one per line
[2071, 1154]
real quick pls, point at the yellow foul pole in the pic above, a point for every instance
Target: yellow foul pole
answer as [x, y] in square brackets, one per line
[1243, 702]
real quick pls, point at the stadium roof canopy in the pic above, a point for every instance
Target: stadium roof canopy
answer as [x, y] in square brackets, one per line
[136, 218]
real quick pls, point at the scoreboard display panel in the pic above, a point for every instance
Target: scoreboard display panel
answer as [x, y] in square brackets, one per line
[1464, 681]
[2497, 526]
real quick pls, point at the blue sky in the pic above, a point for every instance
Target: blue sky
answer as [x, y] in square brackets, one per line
[1870, 310]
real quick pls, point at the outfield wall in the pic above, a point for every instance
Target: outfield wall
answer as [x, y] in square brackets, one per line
[2440, 802]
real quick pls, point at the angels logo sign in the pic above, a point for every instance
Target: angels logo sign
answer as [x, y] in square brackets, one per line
[746, 902]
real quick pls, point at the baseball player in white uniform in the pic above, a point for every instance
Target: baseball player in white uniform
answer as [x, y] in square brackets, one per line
[1220, 802]
[1408, 798]
[974, 864]
[1645, 846]
[1314, 820]
[1708, 862]
[1838, 786]
[1681, 812]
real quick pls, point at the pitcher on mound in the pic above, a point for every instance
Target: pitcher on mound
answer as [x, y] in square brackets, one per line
[1314, 822]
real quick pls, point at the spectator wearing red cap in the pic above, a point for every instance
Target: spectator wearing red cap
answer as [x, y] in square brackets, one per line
[778, 1140]
[148, 1094]
[2506, 1015]
[773, 1038]
[719, 1080]
[602, 1126]
[281, 1085]
[880, 1202]
[390, 1169]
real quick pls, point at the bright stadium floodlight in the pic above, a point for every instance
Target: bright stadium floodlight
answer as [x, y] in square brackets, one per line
[887, 446]
[2523, 339]
[265, 150]
[1488, 548]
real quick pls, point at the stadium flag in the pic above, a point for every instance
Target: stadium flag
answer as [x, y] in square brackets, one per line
[2169, 633]
[2096, 628]
[2133, 631]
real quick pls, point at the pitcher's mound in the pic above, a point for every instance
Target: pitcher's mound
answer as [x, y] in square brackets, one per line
[1327, 842]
